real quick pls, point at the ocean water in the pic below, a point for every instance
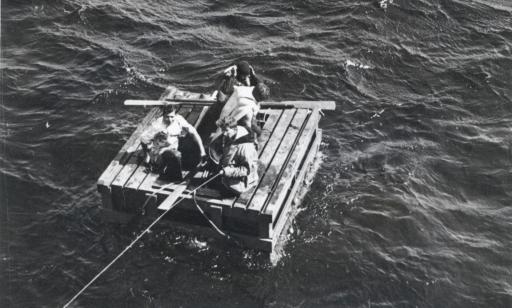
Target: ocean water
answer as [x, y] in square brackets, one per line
[412, 206]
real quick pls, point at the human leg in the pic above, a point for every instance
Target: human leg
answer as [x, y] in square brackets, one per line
[171, 160]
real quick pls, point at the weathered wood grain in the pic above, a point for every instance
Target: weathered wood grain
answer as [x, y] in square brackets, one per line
[194, 114]
[122, 177]
[326, 105]
[172, 198]
[204, 110]
[278, 160]
[288, 175]
[281, 222]
[268, 128]
[117, 164]
[267, 154]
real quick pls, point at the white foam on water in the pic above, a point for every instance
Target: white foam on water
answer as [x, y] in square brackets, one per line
[356, 64]
[384, 3]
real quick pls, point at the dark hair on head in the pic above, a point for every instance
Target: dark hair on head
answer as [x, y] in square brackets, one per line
[168, 108]
[243, 68]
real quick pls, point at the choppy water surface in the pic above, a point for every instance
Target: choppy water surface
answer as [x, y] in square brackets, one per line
[411, 207]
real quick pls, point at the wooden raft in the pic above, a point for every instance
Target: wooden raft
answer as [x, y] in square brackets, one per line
[287, 148]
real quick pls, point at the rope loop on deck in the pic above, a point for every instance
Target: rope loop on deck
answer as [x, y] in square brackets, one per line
[140, 235]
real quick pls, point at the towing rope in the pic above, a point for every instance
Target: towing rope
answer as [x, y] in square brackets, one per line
[205, 216]
[215, 227]
[141, 234]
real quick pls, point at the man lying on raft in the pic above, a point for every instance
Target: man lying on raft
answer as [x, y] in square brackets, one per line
[164, 142]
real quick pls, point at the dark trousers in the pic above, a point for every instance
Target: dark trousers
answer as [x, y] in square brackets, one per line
[174, 161]
[171, 165]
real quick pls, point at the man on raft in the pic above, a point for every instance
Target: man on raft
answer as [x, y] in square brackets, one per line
[233, 145]
[239, 92]
[238, 159]
[171, 145]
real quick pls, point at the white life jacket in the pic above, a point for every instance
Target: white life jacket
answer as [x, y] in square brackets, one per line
[240, 104]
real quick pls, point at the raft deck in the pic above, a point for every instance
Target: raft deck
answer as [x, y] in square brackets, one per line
[288, 145]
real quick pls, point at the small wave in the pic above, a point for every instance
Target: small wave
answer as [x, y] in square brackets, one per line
[384, 3]
[349, 63]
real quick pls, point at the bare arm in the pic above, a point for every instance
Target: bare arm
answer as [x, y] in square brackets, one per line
[198, 140]
[261, 91]
[191, 130]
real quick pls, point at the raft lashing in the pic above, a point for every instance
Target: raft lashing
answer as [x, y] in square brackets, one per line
[287, 148]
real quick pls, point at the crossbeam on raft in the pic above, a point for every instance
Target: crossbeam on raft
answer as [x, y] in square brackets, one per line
[325, 105]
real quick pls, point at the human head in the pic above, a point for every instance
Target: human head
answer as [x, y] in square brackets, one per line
[169, 112]
[228, 126]
[243, 69]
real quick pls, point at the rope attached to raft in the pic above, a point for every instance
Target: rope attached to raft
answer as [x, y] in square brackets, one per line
[193, 192]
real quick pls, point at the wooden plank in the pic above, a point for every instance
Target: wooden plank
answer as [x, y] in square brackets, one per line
[270, 125]
[147, 183]
[268, 128]
[185, 111]
[326, 105]
[172, 198]
[175, 96]
[122, 178]
[284, 219]
[117, 164]
[174, 101]
[267, 154]
[267, 151]
[203, 112]
[269, 178]
[194, 114]
[132, 196]
[122, 156]
[287, 177]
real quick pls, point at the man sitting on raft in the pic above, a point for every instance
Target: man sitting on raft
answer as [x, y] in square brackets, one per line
[165, 140]
[237, 157]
